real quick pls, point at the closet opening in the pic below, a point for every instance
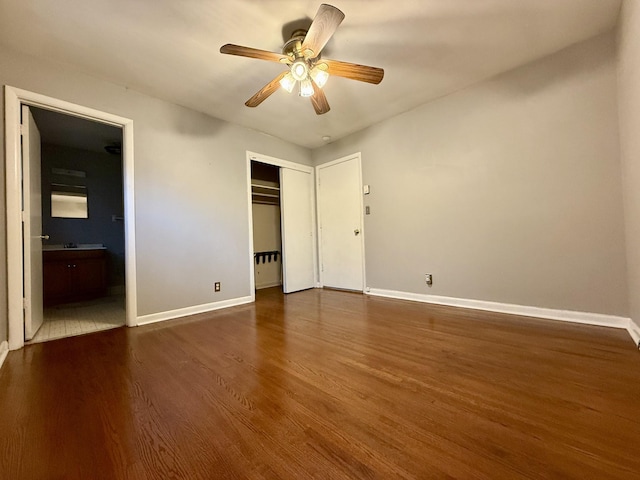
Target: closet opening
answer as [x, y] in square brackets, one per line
[267, 236]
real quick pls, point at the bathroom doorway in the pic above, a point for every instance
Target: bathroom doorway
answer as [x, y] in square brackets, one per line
[23, 189]
[82, 214]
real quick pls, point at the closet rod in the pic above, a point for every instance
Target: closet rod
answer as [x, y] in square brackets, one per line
[270, 195]
[257, 185]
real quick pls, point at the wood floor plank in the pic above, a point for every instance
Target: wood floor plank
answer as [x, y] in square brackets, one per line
[326, 384]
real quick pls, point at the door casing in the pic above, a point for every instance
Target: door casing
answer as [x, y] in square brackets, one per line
[257, 157]
[14, 98]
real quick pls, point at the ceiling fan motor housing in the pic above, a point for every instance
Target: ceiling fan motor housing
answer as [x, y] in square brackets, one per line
[293, 47]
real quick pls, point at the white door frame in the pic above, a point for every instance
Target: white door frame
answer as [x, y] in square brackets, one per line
[14, 98]
[258, 157]
[354, 156]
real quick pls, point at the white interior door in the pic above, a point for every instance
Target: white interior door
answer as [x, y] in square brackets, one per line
[296, 202]
[340, 218]
[32, 225]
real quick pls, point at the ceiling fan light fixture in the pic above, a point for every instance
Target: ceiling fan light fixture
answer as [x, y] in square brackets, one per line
[302, 53]
[319, 75]
[306, 88]
[299, 69]
[288, 82]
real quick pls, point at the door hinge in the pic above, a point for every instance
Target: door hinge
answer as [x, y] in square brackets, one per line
[24, 303]
[22, 216]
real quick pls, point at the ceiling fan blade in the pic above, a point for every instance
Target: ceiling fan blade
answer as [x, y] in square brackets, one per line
[353, 71]
[265, 91]
[241, 51]
[322, 28]
[319, 100]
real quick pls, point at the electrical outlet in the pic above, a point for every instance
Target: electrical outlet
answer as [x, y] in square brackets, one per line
[216, 287]
[428, 278]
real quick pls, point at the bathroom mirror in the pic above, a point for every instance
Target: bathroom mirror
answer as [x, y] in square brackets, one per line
[69, 201]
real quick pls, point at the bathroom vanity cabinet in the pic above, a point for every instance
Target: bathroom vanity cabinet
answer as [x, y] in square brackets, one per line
[71, 275]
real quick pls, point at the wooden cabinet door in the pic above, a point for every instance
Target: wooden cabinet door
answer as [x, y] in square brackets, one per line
[89, 275]
[74, 275]
[56, 280]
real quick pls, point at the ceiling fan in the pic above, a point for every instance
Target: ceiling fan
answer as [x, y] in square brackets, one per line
[301, 53]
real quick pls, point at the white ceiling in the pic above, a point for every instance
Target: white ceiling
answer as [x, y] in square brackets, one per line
[170, 49]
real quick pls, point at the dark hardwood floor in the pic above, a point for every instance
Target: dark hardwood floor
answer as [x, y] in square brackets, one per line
[329, 385]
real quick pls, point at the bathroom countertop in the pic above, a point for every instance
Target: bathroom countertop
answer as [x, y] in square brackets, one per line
[80, 246]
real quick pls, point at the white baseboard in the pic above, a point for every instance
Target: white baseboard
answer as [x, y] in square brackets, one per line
[183, 312]
[4, 350]
[634, 331]
[547, 313]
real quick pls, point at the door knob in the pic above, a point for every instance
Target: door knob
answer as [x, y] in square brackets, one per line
[356, 232]
[43, 237]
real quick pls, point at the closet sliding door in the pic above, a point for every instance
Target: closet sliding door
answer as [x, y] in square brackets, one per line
[296, 203]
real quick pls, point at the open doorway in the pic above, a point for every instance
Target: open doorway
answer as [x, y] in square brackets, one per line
[267, 239]
[24, 235]
[286, 188]
[82, 215]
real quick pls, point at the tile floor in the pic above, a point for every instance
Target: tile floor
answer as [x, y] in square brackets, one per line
[72, 319]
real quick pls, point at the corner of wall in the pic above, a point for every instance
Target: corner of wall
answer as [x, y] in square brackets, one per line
[634, 331]
[4, 350]
[629, 119]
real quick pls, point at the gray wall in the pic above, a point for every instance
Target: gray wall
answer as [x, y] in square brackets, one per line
[190, 179]
[629, 108]
[105, 198]
[267, 238]
[508, 191]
